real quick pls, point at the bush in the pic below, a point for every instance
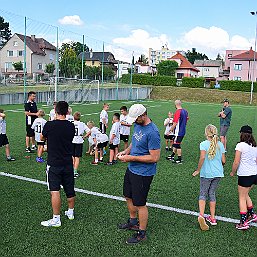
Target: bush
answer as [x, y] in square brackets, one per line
[193, 82]
[146, 79]
[236, 85]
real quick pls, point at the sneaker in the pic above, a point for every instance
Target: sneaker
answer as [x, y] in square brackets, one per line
[202, 223]
[33, 148]
[170, 158]
[136, 238]
[242, 226]
[40, 160]
[94, 163]
[109, 163]
[114, 161]
[28, 150]
[129, 226]
[76, 175]
[170, 149]
[10, 159]
[101, 161]
[51, 223]
[213, 222]
[177, 161]
[251, 218]
[69, 215]
[167, 148]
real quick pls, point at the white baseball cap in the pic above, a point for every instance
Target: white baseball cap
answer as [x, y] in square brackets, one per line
[134, 111]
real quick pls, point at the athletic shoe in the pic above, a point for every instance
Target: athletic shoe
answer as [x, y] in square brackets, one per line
[170, 149]
[170, 158]
[69, 215]
[213, 222]
[129, 226]
[40, 160]
[109, 163]
[136, 238]
[202, 223]
[242, 226]
[114, 161]
[167, 148]
[251, 218]
[76, 174]
[33, 148]
[28, 150]
[51, 223]
[9, 159]
[177, 161]
[101, 161]
[94, 163]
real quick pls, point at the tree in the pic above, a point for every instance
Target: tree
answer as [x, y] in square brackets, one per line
[18, 66]
[192, 56]
[143, 59]
[50, 68]
[76, 46]
[5, 32]
[167, 68]
[218, 57]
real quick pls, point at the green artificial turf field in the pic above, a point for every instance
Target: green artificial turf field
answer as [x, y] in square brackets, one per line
[94, 231]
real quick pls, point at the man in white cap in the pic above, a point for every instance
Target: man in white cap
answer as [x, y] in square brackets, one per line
[142, 156]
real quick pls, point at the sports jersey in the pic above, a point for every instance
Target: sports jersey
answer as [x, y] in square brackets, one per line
[115, 130]
[104, 115]
[30, 107]
[124, 130]
[98, 135]
[248, 165]
[180, 117]
[168, 123]
[38, 126]
[80, 129]
[52, 114]
[2, 125]
[70, 118]
[226, 121]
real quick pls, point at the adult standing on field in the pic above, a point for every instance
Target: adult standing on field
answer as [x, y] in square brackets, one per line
[31, 113]
[142, 156]
[225, 118]
[59, 134]
[179, 130]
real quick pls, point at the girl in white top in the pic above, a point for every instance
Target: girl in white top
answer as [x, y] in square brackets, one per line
[169, 136]
[245, 164]
[104, 118]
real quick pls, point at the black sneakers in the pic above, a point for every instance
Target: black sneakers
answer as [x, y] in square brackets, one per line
[177, 161]
[138, 237]
[129, 226]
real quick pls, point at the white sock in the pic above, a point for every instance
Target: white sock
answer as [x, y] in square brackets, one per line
[70, 211]
[96, 160]
[56, 218]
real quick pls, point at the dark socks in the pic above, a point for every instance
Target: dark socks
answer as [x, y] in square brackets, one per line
[133, 221]
[250, 211]
[243, 217]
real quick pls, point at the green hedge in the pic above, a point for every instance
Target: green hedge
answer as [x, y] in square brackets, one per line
[236, 85]
[146, 79]
[192, 82]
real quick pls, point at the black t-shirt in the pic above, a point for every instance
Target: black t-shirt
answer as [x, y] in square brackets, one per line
[30, 107]
[59, 134]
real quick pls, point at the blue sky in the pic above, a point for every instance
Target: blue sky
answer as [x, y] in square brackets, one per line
[209, 26]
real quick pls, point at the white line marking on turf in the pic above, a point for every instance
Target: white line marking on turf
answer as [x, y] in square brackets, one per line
[113, 197]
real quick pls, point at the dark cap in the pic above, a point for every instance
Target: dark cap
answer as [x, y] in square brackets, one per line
[246, 129]
[225, 100]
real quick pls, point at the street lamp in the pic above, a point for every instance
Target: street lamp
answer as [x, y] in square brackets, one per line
[254, 59]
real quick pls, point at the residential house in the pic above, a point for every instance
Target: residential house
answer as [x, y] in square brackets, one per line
[122, 68]
[185, 68]
[243, 66]
[39, 53]
[142, 68]
[209, 69]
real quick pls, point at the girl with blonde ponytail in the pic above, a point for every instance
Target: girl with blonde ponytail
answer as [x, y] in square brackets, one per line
[210, 166]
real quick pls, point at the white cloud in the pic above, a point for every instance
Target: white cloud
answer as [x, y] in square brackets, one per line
[71, 20]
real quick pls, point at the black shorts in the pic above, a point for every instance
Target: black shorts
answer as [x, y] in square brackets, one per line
[247, 181]
[169, 137]
[112, 146]
[30, 132]
[102, 127]
[124, 138]
[102, 145]
[136, 187]
[41, 143]
[63, 175]
[77, 150]
[3, 140]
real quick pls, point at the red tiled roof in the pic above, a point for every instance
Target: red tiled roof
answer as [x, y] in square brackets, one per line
[185, 64]
[248, 55]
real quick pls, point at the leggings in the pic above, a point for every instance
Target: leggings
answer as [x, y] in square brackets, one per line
[208, 188]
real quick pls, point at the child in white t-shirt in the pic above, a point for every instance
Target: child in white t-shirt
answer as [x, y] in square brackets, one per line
[38, 126]
[3, 138]
[69, 116]
[169, 136]
[104, 118]
[78, 140]
[100, 141]
[114, 139]
[52, 114]
[124, 126]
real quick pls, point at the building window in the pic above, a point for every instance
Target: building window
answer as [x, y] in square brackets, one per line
[206, 69]
[15, 43]
[229, 55]
[51, 57]
[237, 66]
[8, 66]
[39, 66]
[180, 75]
[237, 78]
[9, 53]
[20, 53]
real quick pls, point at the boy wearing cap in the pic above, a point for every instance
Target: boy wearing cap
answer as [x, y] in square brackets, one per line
[142, 156]
[225, 118]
